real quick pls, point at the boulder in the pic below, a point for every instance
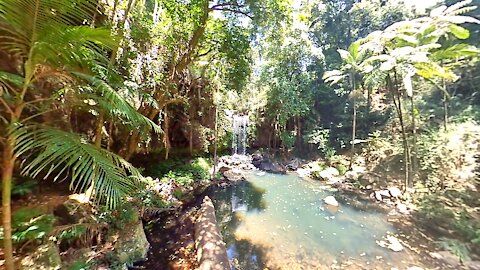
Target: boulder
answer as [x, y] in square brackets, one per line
[234, 175]
[267, 165]
[131, 245]
[330, 200]
[45, 257]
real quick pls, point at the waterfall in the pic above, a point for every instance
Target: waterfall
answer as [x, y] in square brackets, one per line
[239, 142]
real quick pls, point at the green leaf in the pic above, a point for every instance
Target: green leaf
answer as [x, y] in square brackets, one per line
[57, 151]
[459, 32]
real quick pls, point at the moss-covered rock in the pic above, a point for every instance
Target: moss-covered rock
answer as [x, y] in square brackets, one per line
[131, 246]
[45, 257]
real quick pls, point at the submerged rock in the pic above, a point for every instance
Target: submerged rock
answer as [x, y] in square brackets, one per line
[45, 257]
[330, 200]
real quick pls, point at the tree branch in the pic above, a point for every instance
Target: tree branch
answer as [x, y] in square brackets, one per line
[234, 11]
[6, 106]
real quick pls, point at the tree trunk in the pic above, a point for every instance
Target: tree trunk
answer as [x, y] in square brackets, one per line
[398, 108]
[215, 158]
[445, 106]
[414, 141]
[354, 122]
[7, 174]
[166, 138]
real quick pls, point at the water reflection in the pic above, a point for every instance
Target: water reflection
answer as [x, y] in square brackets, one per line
[281, 222]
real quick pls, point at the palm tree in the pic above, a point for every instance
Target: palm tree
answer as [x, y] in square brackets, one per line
[49, 39]
[413, 48]
[353, 65]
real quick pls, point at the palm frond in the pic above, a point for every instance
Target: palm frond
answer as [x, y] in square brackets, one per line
[58, 151]
[115, 105]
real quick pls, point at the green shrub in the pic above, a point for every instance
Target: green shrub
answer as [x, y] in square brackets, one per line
[30, 224]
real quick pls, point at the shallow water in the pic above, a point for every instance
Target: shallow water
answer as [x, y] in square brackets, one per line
[281, 222]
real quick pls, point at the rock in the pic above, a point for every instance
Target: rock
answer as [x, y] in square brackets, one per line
[330, 200]
[293, 165]
[395, 192]
[384, 193]
[472, 265]
[260, 173]
[45, 257]
[234, 175]
[267, 165]
[402, 208]
[303, 172]
[394, 245]
[352, 175]
[414, 268]
[446, 257]
[75, 210]
[377, 196]
[329, 173]
[131, 245]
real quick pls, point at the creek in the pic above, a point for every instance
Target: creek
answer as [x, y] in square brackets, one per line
[281, 222]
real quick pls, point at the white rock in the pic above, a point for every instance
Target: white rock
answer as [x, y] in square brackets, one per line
[384, 193]
[414, 268]
[260, 173]
[329, 173]
[395, 192]
[378, 196]
[303, 172]
[394, 244]
[330, 200]
[402, 209]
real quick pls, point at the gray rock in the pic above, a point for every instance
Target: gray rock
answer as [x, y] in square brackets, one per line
[446, 257]
[45, 257]
[131, 245]
[293, 165]
[472, 265]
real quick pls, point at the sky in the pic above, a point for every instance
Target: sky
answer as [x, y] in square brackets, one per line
[420, 5]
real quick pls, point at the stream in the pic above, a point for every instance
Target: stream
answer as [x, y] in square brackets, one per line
[281, 222]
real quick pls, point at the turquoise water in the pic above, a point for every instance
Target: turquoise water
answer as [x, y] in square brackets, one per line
[281, 222]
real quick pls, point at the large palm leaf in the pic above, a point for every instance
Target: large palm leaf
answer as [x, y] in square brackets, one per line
[49, 32]
[115, 105]
[57, 152]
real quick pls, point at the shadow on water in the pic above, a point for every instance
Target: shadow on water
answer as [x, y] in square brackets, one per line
[230, 204]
